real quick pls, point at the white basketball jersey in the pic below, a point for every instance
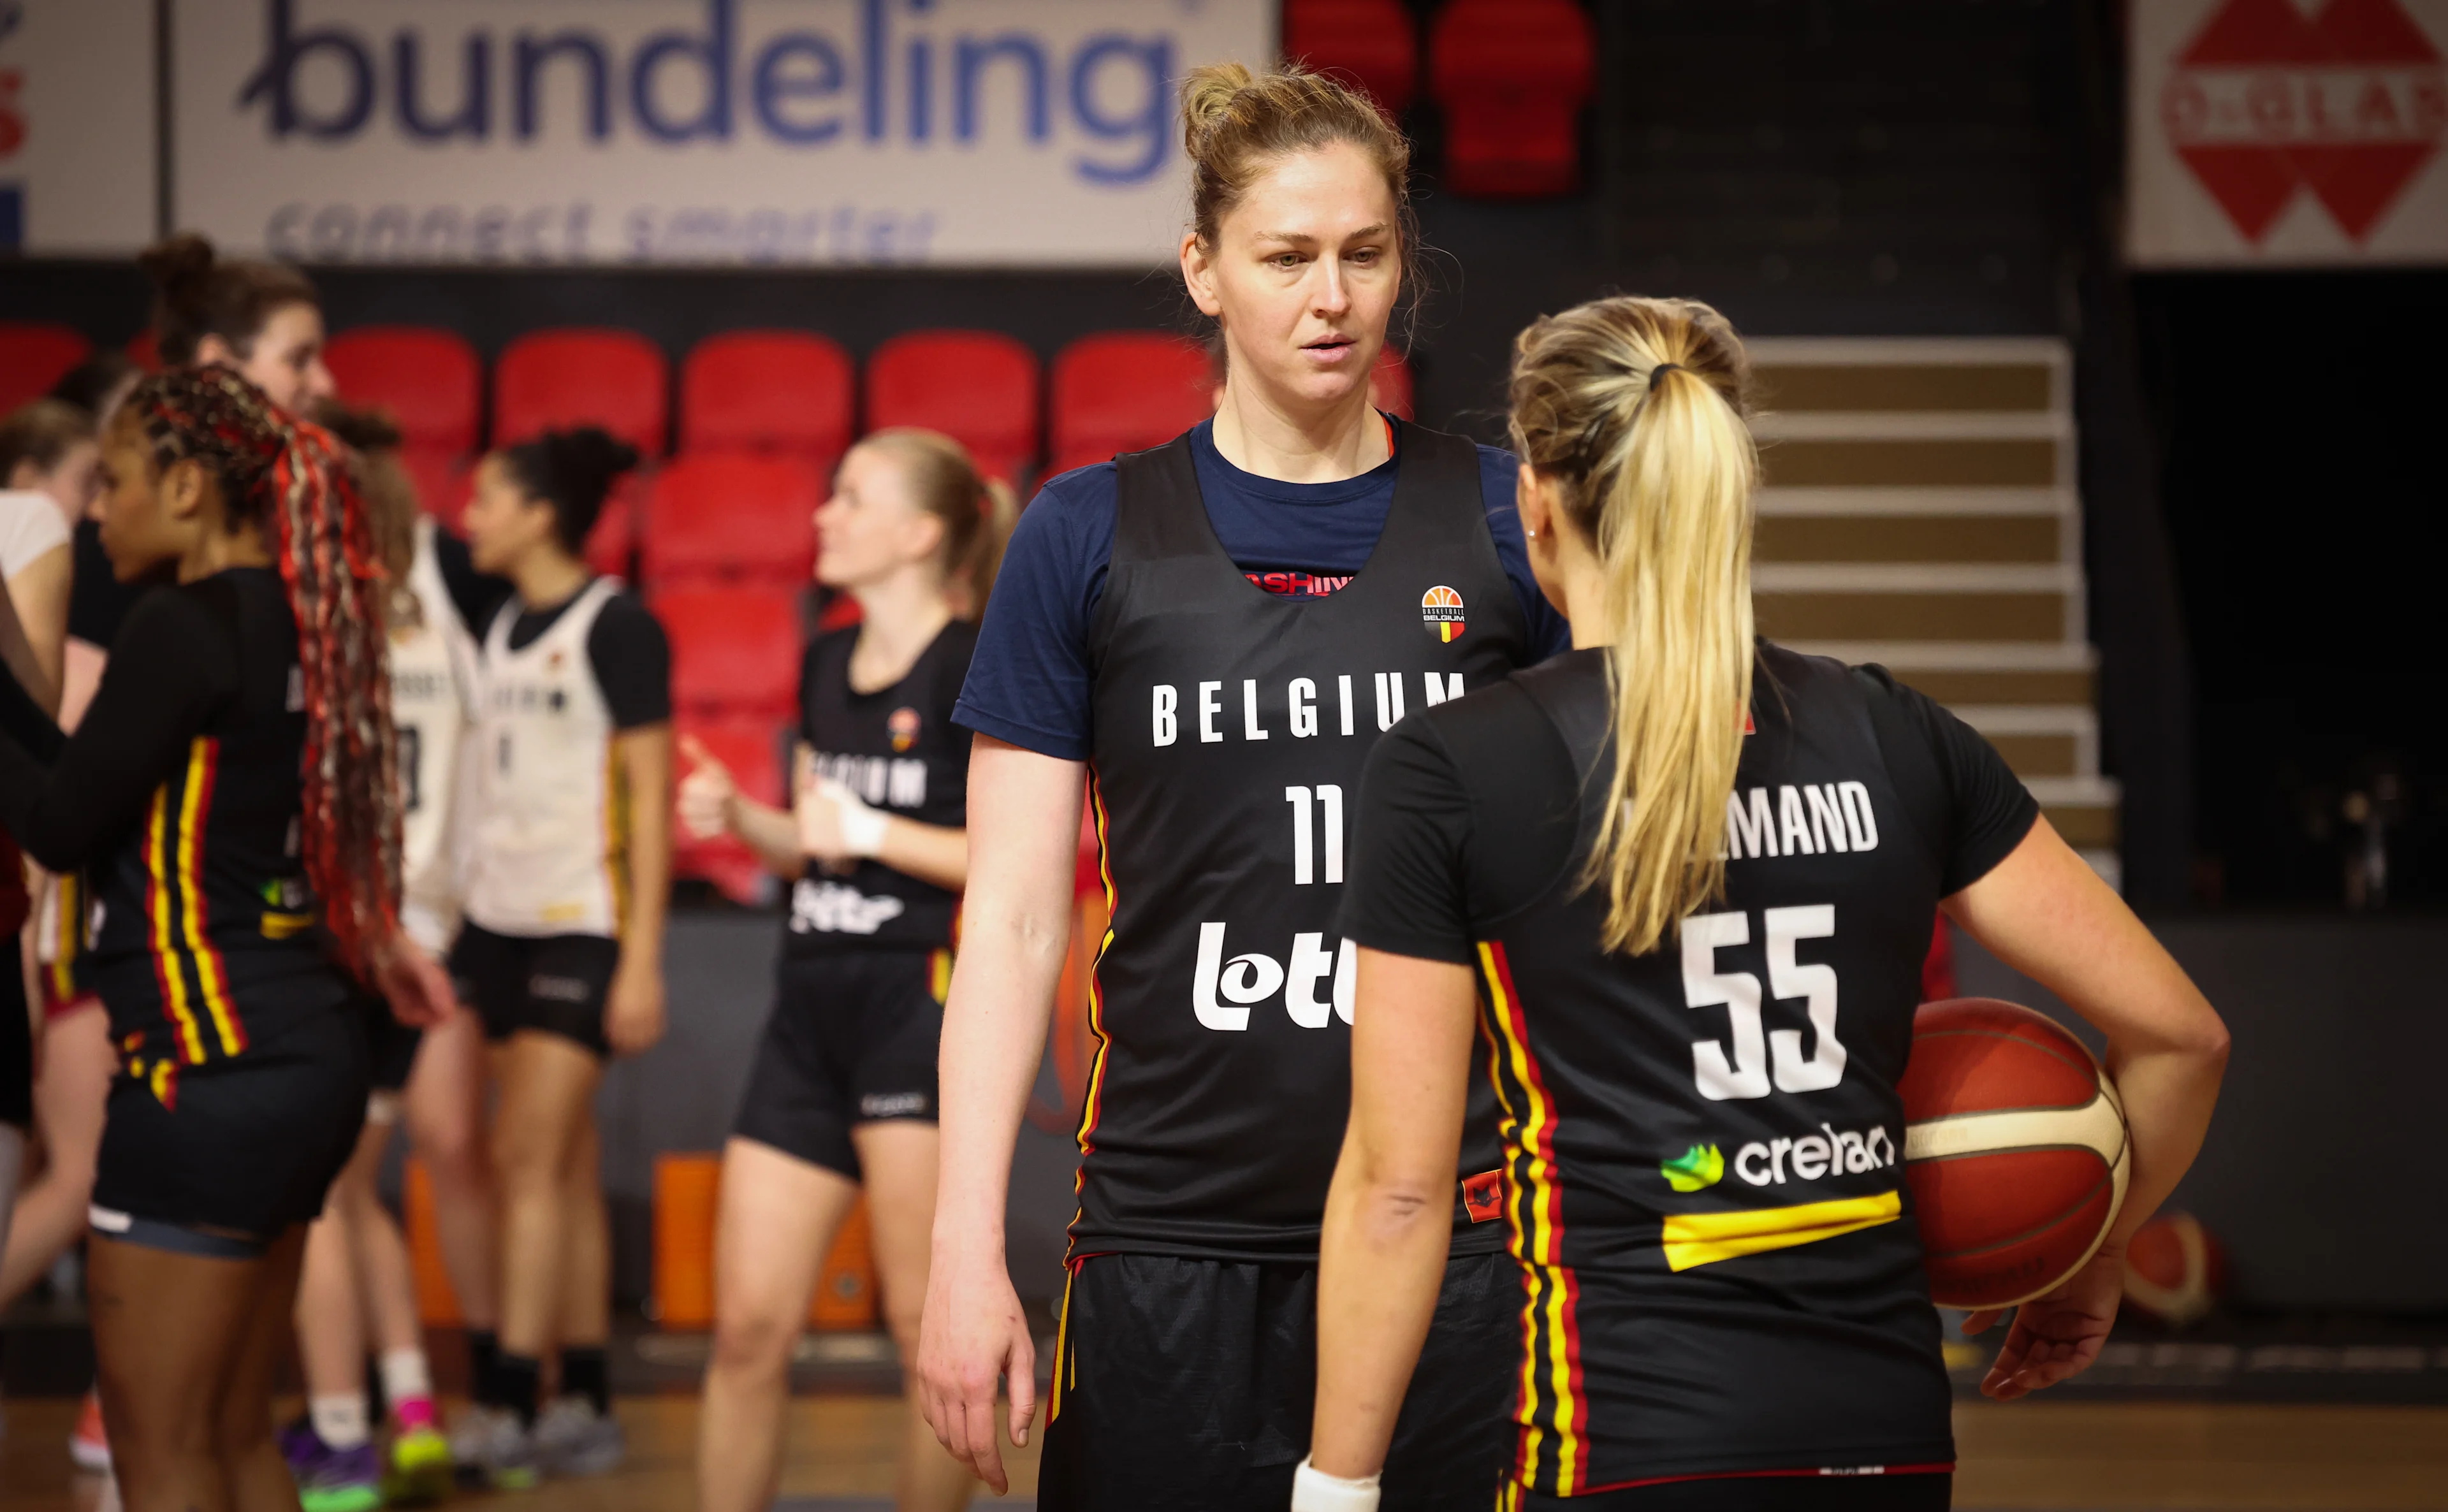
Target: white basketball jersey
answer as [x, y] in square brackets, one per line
[432, 682]
[548, 828]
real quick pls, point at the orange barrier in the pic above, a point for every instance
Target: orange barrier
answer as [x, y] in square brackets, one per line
[687, 1197]
[435, 1303]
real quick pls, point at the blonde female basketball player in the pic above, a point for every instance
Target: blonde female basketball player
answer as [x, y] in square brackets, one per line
[1549, 865]
[568, 876]
[843, 1093]
[1218, 629]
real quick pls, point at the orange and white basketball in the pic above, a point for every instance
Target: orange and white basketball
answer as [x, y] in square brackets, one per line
[2176, 1269]
[2015, 1147]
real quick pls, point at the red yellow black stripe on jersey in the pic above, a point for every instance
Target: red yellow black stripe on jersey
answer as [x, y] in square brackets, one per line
[1092, 1101]
[1551, 1406]
[187, 966]
[67, 921]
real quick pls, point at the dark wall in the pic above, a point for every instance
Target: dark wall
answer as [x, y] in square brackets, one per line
[2299, 418]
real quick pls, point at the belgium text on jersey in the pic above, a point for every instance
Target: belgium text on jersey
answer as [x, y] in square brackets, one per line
[1298, 712]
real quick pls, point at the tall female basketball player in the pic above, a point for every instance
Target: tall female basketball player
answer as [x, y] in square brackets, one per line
[232, 784]
[568, 875]
[356, 1270]
[1550, 863]
[843, 1093]
[1218, 628]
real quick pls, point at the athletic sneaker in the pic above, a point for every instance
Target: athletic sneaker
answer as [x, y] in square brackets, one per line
[331, 1479]
[419, 1470]
[489, 1447]
[573, 1439]
[89, 1446]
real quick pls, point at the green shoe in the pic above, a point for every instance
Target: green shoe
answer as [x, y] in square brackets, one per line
[419, 1470]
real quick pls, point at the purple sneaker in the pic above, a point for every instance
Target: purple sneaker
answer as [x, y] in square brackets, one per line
[331, 1479]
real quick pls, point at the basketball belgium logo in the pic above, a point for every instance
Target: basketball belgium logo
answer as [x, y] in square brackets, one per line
[1441, 611]
[903, 727]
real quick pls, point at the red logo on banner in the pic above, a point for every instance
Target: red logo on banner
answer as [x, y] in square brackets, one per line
[2349, 103]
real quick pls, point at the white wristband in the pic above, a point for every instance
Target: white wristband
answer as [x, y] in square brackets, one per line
[1314, 1491]
[862, 828]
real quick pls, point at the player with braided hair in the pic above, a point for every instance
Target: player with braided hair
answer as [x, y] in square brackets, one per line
[231, 790]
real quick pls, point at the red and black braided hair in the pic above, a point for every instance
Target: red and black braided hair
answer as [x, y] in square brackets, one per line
[291, 479]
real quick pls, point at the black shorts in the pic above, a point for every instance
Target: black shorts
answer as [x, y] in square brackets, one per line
[391, 1046]
[246, 1146]
[852, 1040]
[1190, 1385]
[1758, 1493]
[16, 1042]
[555, 984]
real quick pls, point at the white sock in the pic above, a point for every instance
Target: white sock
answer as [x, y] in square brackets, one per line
[340, 1418]
[405, 1377]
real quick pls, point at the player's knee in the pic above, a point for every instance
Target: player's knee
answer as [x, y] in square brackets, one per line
[526, 1159]
[755, 1340]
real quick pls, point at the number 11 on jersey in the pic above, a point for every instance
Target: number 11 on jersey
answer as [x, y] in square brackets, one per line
[1327, 809]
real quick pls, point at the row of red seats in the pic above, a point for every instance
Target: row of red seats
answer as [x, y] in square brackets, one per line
[1510, 75]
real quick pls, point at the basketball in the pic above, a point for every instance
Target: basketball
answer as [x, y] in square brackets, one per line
[2015, 1147]
[2176, 1269]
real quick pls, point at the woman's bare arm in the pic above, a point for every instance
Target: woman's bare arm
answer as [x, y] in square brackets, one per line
[2044, 913]
[1389, 1213]
[1015, 930]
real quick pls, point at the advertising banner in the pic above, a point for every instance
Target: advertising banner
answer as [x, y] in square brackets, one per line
[792, 132]
[77, 174]
[2286, 133]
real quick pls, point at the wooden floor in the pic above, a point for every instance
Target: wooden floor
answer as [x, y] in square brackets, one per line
[2038, 1455]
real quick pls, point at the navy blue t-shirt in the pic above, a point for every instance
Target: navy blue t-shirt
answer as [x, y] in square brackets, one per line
[1029, 682]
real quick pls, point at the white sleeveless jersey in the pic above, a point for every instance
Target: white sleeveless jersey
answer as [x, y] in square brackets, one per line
[548, 830]
[432, 682]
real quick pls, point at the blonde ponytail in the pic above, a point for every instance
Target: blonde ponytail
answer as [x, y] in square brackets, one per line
[1634, 407]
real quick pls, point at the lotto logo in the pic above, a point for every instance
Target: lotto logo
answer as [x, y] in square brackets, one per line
[1223, 987]
[1441, 611]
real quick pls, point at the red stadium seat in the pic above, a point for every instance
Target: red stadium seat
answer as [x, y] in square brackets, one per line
[430, 380]
[144, 350]
[443, 478]
[549, 381]
[33, 356]
[752, 748]
[1125, 391]
[1369, 40]
[735, 650]
[767, 390]
[976, 387]
[1390, 383]
[729, 514]
[1512, 76]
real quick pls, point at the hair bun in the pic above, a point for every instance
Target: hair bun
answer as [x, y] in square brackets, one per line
[590, 457]
[1206, 94]
[181, 268]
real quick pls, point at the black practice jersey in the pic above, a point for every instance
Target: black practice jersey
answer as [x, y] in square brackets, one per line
[1702, 1144]
[1229, 729]
[180, 792]
[899, 750]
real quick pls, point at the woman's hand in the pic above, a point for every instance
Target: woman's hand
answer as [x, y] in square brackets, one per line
[974, 1333]
[633, 1010]
[2055, 1338]
[707, 793]
[414, 984]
